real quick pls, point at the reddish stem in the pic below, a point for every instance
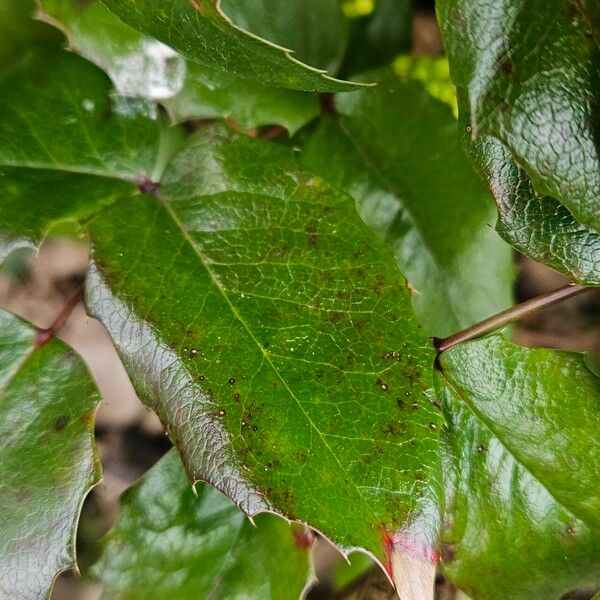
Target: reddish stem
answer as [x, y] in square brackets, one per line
[509, 316]
[44, 335]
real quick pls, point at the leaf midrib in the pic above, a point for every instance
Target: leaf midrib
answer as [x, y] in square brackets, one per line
[267, 357]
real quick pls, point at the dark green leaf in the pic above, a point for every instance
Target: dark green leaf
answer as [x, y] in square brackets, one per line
[170, 543]
[315, 30]
[141, 66]
[377, 38]
[528, 74]
[57, 113]
[47, 457]
[284, 358]
[522, 394]
[395, 151]
[19, 32]
[201, 31]
[520, 456]
[538, 226]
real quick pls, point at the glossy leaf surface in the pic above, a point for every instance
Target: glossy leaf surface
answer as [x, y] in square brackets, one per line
[202, 32]
[47, 457]
[528, 75]
[170, 543]
[519, 459]
[538, 226]
[276, 335]
[395, 151]
[143, 67]
[284, 358]
[315, 30]
[58, 113]
[523, 408]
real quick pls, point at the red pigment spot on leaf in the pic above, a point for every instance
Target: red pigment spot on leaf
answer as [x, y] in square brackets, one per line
[42, 337]
[303, 538]
[205, 11]
[397, 541]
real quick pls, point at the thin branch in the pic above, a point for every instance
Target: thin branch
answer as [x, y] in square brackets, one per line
[509, 316]
[44, 335]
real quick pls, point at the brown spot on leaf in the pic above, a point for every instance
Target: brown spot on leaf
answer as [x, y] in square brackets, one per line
[61, 422]
[448, 552]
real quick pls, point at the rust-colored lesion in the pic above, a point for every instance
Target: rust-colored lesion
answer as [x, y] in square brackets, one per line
[206, 9]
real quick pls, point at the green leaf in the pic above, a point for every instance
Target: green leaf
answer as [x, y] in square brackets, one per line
[528, 75]
[19, 32]
[48, 198]
[202, 32]
[89, 131]
[520, 455]
[48, 461]
[378, 37]
[184, 545]
[315, 30]
[283, 358]
[521, 394]
[141, 66]
[538, 226]
[395, 151]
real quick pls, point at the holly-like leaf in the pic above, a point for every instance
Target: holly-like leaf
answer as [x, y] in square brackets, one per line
[47, 457]
[283, 358]
[201, 31]
[184, 545]
[143, 67]
[394, 149]
[519, 458]
[528, 75]
[521, 394]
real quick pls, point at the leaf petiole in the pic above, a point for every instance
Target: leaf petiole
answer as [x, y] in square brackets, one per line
[514, 313]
